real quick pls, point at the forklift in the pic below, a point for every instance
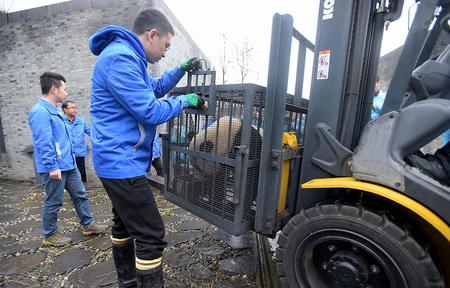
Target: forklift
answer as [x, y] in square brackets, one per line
[333, 185]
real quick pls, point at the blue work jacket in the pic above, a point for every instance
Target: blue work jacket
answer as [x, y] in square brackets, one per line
[377, 105]
[446, 137]
[156, 152]
[51, 138]
[124, 106]
[78, 128]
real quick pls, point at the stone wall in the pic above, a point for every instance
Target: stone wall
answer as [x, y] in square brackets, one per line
[55, 38]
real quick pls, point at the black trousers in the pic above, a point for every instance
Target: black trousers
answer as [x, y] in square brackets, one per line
[136, 214]
[156, 163]
[443, 154]
[81, 168]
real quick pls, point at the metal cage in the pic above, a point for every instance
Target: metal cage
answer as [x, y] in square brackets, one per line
[213, 163]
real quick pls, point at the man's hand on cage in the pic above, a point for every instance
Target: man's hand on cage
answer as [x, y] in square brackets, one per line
[192, 64]
[194, 101]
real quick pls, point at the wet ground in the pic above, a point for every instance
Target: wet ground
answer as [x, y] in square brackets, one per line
[198, 254]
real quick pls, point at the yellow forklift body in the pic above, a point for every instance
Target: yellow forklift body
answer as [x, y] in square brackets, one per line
[289, 141]
[417, 208]
[283, 186]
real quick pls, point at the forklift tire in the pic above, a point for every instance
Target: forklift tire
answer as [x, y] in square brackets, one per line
[347, 246]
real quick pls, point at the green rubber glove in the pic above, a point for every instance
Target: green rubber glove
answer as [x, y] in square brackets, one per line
[192, 100]
[192, 64]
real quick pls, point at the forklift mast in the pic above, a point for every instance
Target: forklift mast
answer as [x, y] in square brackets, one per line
[347, 49]
[341, 96]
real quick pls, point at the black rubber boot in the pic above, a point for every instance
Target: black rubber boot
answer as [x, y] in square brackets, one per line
[152, 278]
[125, 264]
[431, 166]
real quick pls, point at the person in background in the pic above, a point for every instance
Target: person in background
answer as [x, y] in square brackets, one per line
[55, 162]
[378, 100]
[211, 120]
[78, 127]
[156, 156]
[446, 137]
[125, 111]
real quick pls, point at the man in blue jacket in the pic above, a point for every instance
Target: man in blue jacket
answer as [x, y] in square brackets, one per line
[446, 137]
[55, 162]
[125, 111]
[378, 100]
[78, 127]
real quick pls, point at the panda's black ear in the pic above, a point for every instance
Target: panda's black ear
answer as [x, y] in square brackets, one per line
[206, 146]
[190, 135]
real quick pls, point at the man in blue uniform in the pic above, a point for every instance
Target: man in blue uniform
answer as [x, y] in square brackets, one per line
[55, 162]
[378, 100]
[125, 111]
[446, 137]
[78, 127]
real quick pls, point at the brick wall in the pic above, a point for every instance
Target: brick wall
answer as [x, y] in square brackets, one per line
[55, 38]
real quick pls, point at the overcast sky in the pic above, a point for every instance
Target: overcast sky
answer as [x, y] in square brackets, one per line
[206, 20]
[240, 19]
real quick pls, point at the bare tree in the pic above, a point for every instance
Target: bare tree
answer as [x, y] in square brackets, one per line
[244, 58]
[5, 6]
[223, 58]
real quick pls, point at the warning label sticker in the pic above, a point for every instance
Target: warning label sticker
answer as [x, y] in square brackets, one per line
[324, 64]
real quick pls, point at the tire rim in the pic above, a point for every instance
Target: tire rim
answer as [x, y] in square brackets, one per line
[341, 258]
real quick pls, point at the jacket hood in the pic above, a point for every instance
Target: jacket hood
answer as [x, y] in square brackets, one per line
[103, 37]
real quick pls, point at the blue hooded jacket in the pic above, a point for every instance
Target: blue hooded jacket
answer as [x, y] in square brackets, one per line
[124, 106]
[51, 138]
[77, 129]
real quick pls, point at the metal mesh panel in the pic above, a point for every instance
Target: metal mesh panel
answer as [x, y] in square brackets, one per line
[215, 155]
[295, 121]
[213, 193]
[208, 154]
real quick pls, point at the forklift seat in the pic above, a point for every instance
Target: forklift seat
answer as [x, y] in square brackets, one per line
[432, 79]
[387, 140]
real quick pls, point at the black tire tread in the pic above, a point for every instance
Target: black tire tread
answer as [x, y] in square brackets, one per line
[422, 258]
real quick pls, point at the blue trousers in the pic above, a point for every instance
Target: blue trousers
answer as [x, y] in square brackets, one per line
[54, 197]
